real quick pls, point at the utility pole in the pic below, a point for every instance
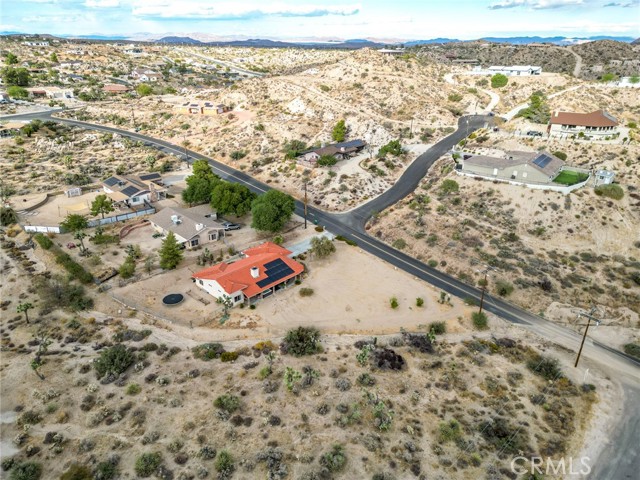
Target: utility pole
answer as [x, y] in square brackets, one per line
[484, 285]
[467, 120]
[590, 317]
[305, 204]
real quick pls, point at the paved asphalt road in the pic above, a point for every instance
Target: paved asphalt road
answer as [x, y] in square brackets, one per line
[621, 458]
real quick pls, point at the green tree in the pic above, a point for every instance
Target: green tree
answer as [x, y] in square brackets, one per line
[499, 80]
[11, 59]
[147, 464]
[54, 57]
[101, 205]
[322, 247]
[16, 76]
[231, 198]
[272, 210]
[17, 92]
[449, 186]
[113, 360]
[200, 183]
[77, 472]
[634, 79]
[294, 148]
[608, 77]
[339, 132]
[128, 268]
[26, 471]
[24, 308]
[74, 223]
[144, 90]
[393, 147]
[8, 216]
[170, 252]
[327, 161]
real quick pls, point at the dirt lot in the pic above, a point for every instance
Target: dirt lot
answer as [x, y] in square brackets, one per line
[439, 419]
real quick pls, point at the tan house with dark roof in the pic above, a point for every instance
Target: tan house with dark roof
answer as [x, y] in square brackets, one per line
[598, 123]
[192, 226]
[524, 167]
[135, 190]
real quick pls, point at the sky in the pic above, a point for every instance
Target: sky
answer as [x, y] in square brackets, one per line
[346, 19]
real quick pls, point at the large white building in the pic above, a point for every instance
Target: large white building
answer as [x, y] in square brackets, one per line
[513, 71]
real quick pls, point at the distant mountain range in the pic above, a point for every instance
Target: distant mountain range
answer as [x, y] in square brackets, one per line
[208, 39]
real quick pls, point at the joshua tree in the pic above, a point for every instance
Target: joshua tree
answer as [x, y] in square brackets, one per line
[43, 346]
[226, 303]
[24, 308]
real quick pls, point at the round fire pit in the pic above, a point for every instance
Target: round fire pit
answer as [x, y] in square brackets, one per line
[173, 299]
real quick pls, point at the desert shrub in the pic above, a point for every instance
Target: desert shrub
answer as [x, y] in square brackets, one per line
[419, 302]
[291, 377]
[385, 358]
[335, 459]
[228, 356]
[438, 328]
[113, 360]
[399, 244]
[57, 292]
[44, 241]
[561, 155]
[454, 97]
[611, 191]
[26, 471]
[343, 384]
[503, 436]
[224, 464]
[504, 288]
[133, 389]
[366, 380]
[208, 351]
[306, 292]
[76, 270]
[421, 342]
[499, 80]
[147, 464]
[393, 302]
[480, 320]
[301, 341]
[546, 367]
[107, 470]
[449, 431]
[128, 268]
[227, 402]
[632, 349]
[77, 472]
[449, 186]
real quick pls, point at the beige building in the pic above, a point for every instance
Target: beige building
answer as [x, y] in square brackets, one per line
[192, 226]
[135, 190]
[598, 123]
[525, 167]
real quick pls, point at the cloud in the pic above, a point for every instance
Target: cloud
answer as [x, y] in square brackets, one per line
[535, 4]
[102, 3]
[632, 4]
[197, 10]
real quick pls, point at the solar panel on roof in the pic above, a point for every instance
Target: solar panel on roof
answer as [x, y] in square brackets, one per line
[129, 191]
[149, 176]
[275, 270]
[542, 160]
[111, 181]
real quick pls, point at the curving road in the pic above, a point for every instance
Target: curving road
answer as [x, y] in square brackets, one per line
[621, 458]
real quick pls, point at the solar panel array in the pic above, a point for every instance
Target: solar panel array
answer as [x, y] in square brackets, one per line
[275, 270]
[542, 160]
[111, 181]
[351, 143]
[129, 191]
[149, 176]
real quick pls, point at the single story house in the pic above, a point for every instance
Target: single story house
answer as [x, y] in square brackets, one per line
[604, 177]
[201, 108]
[516, 70]
[35, 44]
[598, 123]
[525, 167]
[210, 109]
[191, 226]
[114, 88]
[10, 129]
[264, 270]
[50, 92]
[145, 75]
[135, 190]
[340, 151]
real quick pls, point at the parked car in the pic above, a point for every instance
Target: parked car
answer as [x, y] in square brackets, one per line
[231, 226]
[533, 133]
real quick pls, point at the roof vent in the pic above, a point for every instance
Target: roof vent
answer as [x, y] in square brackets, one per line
[175, 219]
[255, 272]
[199, 226]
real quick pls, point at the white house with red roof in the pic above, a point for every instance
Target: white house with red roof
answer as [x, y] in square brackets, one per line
[264, 270]
[598, 123]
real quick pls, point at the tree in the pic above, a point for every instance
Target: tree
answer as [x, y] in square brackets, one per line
[634, 79]
[170, 252]
[6, 191]
[272, 210]
[16, 76]
[231, 198]
[499, 80]
[144, 90]
[43, 346]
[322, 247]
[327, 161]
[101, 205]
[54, 57]
[17, 92]
[227, 302]
[128, 268]
[339, 132]
[24, 308]
[8, 216]
[609, 77]
[393, 147]
[294, 148]
[11, 59]
[200, 183]
[74, 223]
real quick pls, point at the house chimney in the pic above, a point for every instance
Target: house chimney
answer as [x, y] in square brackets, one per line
[175, 219]
[255, 272]
[199, 226]
[555, 113]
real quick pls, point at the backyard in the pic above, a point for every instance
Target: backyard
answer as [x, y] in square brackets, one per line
[569, 177]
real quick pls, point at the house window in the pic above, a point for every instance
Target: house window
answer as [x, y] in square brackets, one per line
[135, 200]
[237, 298]
[194, 242]
[213, 236]
[200, 282]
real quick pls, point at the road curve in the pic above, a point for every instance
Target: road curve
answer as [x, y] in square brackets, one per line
[621, 459]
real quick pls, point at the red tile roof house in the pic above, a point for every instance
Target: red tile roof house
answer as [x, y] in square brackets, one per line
[598, 123]
[264, 270]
